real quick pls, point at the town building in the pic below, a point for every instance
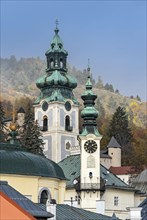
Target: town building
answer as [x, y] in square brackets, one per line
[34, 176]
[15, 206]
[81, 177]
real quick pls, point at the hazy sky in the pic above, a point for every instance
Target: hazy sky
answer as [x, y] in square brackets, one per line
[111, 33]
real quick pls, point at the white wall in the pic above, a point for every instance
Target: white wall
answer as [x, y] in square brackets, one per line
[125, 200]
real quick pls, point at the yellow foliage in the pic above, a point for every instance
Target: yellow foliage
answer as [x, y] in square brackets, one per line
[134, 106]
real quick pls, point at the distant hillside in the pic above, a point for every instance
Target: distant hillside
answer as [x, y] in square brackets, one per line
[18, 78]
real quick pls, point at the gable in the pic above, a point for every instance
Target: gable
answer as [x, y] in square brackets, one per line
[15, 211]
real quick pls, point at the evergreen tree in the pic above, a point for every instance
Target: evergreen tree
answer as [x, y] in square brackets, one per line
[99, 83]
[101, 113]
[111, 89]
[31, 135]
[119, 127]
[2, 124]
[138, 98]
[111, 104]
[117, 91]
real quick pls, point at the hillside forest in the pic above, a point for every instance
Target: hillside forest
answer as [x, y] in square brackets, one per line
[18, 89]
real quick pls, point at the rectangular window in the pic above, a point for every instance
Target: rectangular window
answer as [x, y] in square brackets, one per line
[115, 200]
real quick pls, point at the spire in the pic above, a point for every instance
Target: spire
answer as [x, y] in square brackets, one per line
[88, 68]
[56, 84]
[89, 113]
[56, 29]
[88, 83]
[13, 131]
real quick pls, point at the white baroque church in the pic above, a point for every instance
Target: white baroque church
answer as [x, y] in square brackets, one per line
[84, 179]
[90, 184]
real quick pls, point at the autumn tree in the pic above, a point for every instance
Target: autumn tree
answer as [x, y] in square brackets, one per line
[139, 151]
[2, 124]
[31, 137]
[119, 128]
[7, 108]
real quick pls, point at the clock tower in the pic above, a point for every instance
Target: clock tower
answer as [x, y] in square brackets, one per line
[89, 141]
[56, 108]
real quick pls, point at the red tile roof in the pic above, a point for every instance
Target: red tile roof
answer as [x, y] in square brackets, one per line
[122, 170]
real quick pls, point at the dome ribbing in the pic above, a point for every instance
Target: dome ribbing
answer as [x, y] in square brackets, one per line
[15, 160]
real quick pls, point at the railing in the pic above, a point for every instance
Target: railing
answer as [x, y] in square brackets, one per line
[88, 186]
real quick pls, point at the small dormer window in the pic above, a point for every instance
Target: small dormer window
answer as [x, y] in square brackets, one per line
[60, 46]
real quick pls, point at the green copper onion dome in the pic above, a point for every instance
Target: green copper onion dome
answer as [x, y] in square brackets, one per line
[89, 113]
[56, 84]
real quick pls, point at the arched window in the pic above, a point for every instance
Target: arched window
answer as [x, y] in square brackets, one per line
[45, 123]
[67, 123]
[44, 196]
[67, 145]
[90, 162]
[51, 62]
[61, 62]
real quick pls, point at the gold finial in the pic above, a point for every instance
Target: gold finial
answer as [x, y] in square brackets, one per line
[13, 126]
[13, 114]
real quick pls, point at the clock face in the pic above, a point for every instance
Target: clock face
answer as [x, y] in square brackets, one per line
[44, 106]
[90, 146]
[67, 106]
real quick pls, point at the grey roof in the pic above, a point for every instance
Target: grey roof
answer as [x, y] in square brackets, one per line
[21, 110]
[113, 143]
[71, 168]
[144, 209]
[22, 201]
[67, 212]
[114, 217]
[104, 154]
[140, 182]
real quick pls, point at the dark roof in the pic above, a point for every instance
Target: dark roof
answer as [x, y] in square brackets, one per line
[22, 201]
[144, 209]
[21, 110]
[114, 217]
[140, 182]
[66, 211]
[113, 143]
[104, 154]
[71, 167]
[15, 160]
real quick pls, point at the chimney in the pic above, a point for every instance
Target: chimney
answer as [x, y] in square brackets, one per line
[51, 207]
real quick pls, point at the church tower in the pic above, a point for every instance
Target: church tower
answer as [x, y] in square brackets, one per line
[56, 108]
[90, 151]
